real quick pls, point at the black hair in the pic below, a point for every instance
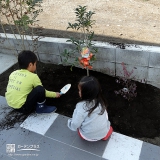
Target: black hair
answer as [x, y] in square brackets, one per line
[25, 57]
[91, 90]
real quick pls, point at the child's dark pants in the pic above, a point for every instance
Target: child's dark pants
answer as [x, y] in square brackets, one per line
[36, 95]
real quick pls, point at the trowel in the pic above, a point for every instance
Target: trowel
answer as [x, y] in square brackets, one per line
[65, 89]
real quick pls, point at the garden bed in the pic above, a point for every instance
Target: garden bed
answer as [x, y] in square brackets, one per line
[140, 118]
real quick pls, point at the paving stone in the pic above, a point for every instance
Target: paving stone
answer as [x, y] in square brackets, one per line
[6, 61]
[121, 147]
[149, 152]
[6, 134]
[51, 150]
[9, 118]
[78, 154]
[4, 157]
[4, 108]
[60, 131]
[20, 142]
[39, 123]
[96, 148]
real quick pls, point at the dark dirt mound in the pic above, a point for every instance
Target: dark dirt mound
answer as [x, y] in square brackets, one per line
[138, 118]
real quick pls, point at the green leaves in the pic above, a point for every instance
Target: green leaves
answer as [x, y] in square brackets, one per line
[83, 19]
[23, 21]
[84, 23]
[22, 12]
[21, 16]
[73, 26]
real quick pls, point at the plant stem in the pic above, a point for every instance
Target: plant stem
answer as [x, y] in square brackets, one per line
[87, 72]
[7, 37]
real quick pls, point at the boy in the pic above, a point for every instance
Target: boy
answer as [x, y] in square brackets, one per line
[25, 92]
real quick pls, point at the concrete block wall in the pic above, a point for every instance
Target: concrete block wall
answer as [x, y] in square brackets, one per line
[143, 60]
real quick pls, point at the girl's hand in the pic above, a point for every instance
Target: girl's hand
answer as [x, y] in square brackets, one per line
[57, 95]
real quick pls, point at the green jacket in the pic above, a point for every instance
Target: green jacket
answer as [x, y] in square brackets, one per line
[21, 82]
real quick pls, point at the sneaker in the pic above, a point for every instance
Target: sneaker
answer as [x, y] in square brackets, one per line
[45, 109]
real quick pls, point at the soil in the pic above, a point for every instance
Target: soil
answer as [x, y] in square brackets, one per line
[117, 21]
[139, 118]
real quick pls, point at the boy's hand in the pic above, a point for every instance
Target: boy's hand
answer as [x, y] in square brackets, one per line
[57, 95]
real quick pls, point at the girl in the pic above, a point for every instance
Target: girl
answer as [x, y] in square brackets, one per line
[90, 117]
